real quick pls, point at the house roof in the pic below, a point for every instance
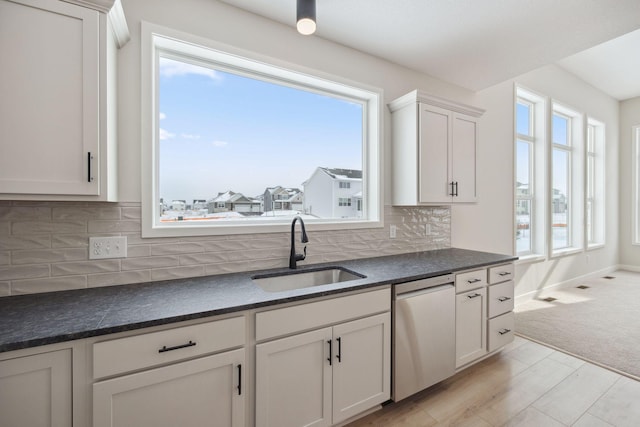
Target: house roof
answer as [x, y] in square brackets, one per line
[343, 173]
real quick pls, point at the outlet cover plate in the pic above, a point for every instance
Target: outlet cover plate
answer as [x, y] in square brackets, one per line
[107, 247]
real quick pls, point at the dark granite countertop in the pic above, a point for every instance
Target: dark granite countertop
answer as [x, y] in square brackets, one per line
[47, 318]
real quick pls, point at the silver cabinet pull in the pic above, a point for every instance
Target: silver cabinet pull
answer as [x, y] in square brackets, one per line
[473, 280]
[504, 273]
[503, 299]
[504, 331]
[474, 295]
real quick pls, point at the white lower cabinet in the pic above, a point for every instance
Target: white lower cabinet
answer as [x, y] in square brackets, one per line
[36, 390]
[187, 376]
[325, 376]
[471, 314]
[203, 392]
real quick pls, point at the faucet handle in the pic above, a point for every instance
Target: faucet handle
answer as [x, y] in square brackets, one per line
[305, 252]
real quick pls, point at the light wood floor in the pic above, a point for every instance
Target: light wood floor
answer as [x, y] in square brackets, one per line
[526, 384]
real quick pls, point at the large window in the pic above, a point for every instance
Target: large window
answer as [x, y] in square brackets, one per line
[529, 170]
[559, 178]
[246, 146]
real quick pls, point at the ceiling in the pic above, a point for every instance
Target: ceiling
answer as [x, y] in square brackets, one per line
[478, 43]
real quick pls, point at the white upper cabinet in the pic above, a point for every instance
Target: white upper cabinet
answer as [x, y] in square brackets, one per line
[434, 143]
[58, 92]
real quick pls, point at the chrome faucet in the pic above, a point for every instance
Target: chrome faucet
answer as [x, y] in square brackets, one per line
[294, 257]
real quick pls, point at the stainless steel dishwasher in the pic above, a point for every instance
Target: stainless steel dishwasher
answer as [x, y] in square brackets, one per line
[424, 347]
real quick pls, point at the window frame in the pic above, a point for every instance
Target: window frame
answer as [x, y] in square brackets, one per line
[595, 194]
[537, 172]
[635, 159]
[157, 38]
[576, 177]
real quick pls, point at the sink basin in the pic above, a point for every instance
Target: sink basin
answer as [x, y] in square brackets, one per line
[304, 279]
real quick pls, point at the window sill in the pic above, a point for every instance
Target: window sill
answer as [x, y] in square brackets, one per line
[566, 252]
[595, 246]
[527, 259]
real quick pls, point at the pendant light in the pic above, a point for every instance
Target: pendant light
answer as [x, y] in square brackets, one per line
[306, 22]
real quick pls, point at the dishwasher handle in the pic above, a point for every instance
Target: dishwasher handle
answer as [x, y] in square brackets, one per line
[423, 291]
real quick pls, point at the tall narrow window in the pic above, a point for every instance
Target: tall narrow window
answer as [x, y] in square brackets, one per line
[529, 170]
[566, 195]
[595, 185]
[636, 185]
[561, 183]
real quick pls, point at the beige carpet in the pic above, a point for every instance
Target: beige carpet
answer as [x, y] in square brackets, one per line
[600, 324]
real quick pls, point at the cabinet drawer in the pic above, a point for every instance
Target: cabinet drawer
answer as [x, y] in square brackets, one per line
[156, 348]
[500, 331]
[500, 298]
[500, 273]
[471, 280]
[288, 320]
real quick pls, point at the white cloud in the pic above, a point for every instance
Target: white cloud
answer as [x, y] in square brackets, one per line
[163, 116]
[169, 68]
[219, 143]
[164, 134]
[189, 136]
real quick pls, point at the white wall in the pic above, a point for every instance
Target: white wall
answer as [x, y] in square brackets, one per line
[629, 116]
[488, 225]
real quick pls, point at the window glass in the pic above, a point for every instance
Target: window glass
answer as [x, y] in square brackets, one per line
[560, 202]
[523, 168]
[241, 142]
[560, 126]
[523, 226]
[523, 118]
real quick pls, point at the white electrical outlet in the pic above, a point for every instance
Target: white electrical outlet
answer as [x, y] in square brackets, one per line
[392, 231]
[107, 247]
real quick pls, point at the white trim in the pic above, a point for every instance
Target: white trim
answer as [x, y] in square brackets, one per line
[531, 258]
[521, 299]
[119, 24]
[155, 38]
[565, 252]
[634, 268]
[426, 98]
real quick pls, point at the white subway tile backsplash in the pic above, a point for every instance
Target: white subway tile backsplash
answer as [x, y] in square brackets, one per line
[43, 245]
[5, 289]
[12, 272]
[40, 227]
[84, 267]
[48, 285]
[119, 278]
[39, 256]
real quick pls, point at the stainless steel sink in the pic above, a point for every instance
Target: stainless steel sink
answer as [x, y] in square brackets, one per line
[304, 279]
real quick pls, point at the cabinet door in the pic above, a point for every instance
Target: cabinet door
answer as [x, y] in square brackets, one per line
[463, 153]
[49, 103]
[434, 156]
[293, 381]
[361, 365]
[471, 310]
[208, 391]
[35, 391]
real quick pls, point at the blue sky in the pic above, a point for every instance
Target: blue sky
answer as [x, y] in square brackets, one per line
[559, 135]
[220, 131]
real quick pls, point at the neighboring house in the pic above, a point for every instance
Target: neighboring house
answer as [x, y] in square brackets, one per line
[282, 199]
[199, 204]
[333, 193]
[233, 202]
[178, 205]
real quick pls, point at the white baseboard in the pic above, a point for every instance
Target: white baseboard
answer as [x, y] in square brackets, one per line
[521, 299]
[633, 268]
